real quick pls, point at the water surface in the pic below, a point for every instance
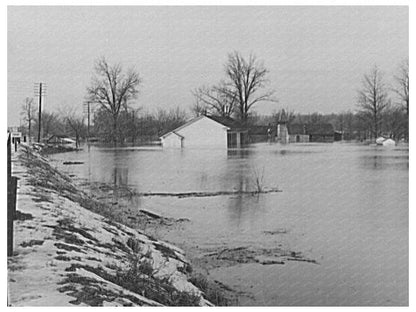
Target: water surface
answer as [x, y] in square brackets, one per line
[344, 205]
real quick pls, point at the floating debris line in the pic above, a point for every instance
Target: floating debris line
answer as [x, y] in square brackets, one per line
[208, 194]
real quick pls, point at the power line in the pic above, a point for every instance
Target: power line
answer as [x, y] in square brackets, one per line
[40, 91]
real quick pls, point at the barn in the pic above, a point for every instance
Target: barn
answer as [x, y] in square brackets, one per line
[312, 132]
[298, 133]
[206, 131]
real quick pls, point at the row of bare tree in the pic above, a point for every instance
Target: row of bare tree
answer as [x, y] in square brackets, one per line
[135, 125]
[113, 92]
[66, 122]
[132, 125]
[376, 104]
[243, 87]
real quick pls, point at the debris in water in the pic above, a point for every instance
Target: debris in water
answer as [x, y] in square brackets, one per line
[73, 162]
[277, 231]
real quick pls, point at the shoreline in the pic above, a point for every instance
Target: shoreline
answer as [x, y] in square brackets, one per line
[70, 250]
[204, 259]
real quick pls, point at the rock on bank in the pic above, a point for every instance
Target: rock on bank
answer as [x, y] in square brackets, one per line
[65, 254]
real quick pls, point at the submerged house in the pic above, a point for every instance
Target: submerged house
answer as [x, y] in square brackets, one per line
[297, 133]
[312, 132]
[282, 132]
[207, 131]
[261, 133]
[60, 140]
[321, 132]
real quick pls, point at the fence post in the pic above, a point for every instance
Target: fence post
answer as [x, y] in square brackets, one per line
[11, 213]
[9, 157]
[11, 199]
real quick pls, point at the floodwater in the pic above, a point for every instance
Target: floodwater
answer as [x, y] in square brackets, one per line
[344, 205]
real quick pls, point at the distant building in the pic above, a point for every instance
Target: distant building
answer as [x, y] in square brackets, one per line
[297, 133]
[316, 132]
[262, 134]
[320, 132]
[207, 131]
[338, 135]
[61, 140]
[282, 133]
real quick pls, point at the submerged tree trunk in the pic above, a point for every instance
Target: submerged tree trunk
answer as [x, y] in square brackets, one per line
[29, 139]
[114, 134]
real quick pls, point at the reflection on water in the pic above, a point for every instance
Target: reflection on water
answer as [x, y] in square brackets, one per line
[240, 153]
[385, 162]
[345, 205]
[121, 176]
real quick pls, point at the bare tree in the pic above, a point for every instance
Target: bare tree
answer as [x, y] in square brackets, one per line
[75, 124]
[198, 108]
[167, 120]
[284, 115]
[51, 124]
[402, 84]
[216, 100]
[112, 89]
[29, 113]
[395, 122]
[245, 79]
[372, 99]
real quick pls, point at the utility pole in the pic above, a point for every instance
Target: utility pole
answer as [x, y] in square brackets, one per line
[88, 128]
[40, 92]
[29, 117]
[87, 104]
[40, 111]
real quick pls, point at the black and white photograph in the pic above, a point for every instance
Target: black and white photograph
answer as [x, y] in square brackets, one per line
[207, 155]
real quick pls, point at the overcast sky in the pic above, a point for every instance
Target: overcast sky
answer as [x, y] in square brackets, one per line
[316, 55]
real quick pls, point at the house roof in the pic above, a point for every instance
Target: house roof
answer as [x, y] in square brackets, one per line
[181, 127]
[228, 122]
[174, 132]
[296, 129]
[262, 130]
[321, 128]
[68, 140]
[311, 128]
[56, 137]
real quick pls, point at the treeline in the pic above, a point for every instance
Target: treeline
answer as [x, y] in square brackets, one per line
[394, 122]
[137, 125]
[134, 125]
[61, 124]
[379, 109]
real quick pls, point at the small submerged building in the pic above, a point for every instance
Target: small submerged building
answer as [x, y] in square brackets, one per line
[282, 133]
[298, 133]
[262, 133]
[207, 131]
[304, 133]
[61, 140]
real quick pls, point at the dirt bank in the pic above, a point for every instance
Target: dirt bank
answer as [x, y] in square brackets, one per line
[67, 254]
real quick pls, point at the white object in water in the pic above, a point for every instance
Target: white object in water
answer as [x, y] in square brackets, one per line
[380, 140]
[389, 142]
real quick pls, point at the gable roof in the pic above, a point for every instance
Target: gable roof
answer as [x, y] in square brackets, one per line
[191, 122]
[181, 127]
[181, 136]
[227, 121]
